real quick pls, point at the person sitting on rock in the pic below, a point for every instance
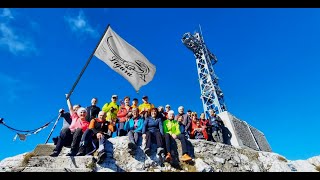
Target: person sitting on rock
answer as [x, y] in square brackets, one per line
[113, 124]
[73, 133]
[182, 127]
[134, 128]
[66, 120]
[171, 132]
[205, 123]
[153, 128]
[199, 132]
[96, 135]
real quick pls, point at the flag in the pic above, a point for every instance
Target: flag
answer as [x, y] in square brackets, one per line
[125, 59]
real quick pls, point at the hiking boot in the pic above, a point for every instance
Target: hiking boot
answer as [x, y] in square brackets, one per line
[132, 146]
[186, 158]
[160, 151]
[131, 152]
[168, 158]
[147, 151]
[101, 157]
[54, 154]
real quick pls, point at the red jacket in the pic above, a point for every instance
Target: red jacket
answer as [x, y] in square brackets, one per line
[122, 113]
[194, 127]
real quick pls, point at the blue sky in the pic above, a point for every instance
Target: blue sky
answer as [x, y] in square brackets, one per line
[268, 65]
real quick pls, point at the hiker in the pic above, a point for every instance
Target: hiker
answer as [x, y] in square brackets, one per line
[168, 108]
[199, 132]
[216, 124]
[182, 127]
[72, 135]
[193, 126]
[152, 129]
[189, 113]
[135, 102]
[67, 117]
[123, 115]
[112, 107]
[205, 123]
[92, 110]
[186, 120]
[145, 107]
[95, 136]
[171, 132]
[112, 123]
[66, 120]
[161, 113]
[134, 127]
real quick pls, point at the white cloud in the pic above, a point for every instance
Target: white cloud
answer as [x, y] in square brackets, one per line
[7, 13]
[12, 38]
[79, 24]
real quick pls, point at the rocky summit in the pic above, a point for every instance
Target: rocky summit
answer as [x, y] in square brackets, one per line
[207, 157]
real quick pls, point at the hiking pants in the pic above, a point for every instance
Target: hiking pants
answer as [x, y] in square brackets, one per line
[121, 131]
[64, 139]
[133, 136]
[155, 134]
[168, 138]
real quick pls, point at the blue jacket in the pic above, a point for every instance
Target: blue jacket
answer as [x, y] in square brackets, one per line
[129, 125]
[152, 125]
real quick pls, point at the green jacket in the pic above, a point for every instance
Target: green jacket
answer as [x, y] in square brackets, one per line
[171, 127]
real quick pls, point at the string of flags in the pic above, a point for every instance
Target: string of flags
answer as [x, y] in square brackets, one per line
[22, 134]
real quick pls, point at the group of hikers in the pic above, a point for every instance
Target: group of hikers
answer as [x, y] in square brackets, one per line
[85, 130]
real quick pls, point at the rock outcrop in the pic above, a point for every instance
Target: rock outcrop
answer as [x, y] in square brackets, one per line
[207, 157]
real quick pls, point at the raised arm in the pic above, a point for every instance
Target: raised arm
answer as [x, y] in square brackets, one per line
[69, 105]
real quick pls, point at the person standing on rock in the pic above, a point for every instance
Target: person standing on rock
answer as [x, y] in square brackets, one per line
[93, 110]
[216, 124]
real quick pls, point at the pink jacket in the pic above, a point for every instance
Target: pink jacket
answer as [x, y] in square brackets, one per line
[78, 123]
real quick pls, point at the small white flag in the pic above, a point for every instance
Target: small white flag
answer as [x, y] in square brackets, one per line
[125, 59]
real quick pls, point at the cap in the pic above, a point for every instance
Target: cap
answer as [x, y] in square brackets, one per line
[116, 96]
[143, 97]
[135, 99]
[167, 105]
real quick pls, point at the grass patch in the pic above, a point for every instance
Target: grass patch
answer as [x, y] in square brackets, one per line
[188, 167]
[26, 158]
[317, 168]
[280, 158]
[91, 165]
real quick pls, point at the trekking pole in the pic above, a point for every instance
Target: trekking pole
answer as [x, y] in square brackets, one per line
[53, 127]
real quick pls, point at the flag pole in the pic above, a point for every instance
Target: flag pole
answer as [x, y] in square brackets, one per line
[86, 65]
